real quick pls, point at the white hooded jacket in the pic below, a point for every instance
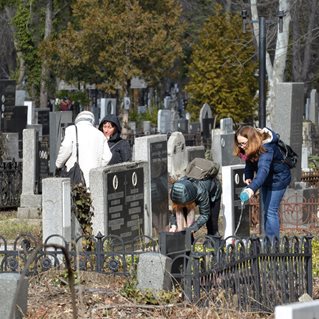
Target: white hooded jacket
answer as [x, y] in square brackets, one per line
[93, 147]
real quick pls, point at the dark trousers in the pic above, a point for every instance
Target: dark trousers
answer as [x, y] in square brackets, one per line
[212, 223]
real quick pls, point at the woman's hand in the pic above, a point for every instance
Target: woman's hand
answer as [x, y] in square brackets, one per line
[247, 181]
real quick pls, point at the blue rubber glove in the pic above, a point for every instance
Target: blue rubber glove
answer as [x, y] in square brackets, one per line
[245, 194]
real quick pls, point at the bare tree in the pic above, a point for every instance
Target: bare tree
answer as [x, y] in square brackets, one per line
[276, 67]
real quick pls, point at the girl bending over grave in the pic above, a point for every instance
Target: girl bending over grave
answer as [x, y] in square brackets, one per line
[186, 194]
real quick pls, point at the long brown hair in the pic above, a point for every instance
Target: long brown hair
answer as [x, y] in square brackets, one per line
[255, 139]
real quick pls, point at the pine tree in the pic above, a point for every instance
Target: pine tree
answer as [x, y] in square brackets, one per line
[222, 69]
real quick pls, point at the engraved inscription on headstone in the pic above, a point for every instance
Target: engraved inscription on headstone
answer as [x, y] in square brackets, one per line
[125, 203]
[242, 220]
[159, 184]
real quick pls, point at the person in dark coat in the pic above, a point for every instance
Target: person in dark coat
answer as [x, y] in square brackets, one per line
[120, 148]
[264, 170]
[186, 194]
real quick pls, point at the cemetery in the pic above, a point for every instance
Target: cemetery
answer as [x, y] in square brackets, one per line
[131, 206]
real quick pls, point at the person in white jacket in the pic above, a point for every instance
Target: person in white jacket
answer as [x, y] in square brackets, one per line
[93, 148]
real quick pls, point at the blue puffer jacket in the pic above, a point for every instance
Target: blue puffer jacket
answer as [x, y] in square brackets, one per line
[207, 191]
[270, 171]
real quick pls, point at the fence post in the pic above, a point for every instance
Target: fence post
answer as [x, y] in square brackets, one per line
[99, 252]
[255, 270]
[308, 262]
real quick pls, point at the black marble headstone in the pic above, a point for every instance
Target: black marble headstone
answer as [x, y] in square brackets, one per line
[125, 203]
[43, 116]
[159, 185]
[42, 162]
[182, 126]
[208, 125]
[7, 93]
[14, 119]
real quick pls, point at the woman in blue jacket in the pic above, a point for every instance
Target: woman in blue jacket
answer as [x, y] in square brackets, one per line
[264, 170]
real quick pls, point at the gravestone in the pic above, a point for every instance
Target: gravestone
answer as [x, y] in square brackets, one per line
[298, 310]
[237, 220]
[13, 296]
[7, 96]
[42, 116]
[164, 118]
[56, 210]
[30, 201]
[182, 126]
[154, 272]
[42, 162]
[58, 121]
[147, 127]
[30, 107]
[176, 155]
[194, 127]
[15, 119]
[204, 113]
[107, 106]
[194, 151]
[20, 97]
[153, 150]
[11, 146]
[289, 110]
[118, 198]
[223, 144]
[174, 120]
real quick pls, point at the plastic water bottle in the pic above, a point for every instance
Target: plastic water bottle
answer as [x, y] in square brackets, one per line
[244, 196]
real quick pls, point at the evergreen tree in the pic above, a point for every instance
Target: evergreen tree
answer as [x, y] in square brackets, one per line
[222, 69]
[110, 42]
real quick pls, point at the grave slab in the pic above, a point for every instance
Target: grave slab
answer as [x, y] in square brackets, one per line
[13, 296]
[298, 310]
[153, 272]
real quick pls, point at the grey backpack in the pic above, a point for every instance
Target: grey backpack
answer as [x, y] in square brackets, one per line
[201, 168]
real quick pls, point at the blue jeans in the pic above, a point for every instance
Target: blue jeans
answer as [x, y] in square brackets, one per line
[271, 200]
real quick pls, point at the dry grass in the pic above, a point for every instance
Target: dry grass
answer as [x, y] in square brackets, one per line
[99, 296]
[11, 227]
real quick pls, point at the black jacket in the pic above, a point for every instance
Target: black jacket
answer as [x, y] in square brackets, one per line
[206, 192]
[120, 148]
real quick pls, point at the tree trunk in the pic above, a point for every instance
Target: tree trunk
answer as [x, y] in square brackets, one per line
[21, 63]
[44, 69]
[276, 70]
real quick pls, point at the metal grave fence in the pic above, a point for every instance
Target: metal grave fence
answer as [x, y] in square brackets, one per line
[253, 274]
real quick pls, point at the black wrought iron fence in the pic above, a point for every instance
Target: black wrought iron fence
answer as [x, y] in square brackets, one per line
[253, 274]
[10, 183]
